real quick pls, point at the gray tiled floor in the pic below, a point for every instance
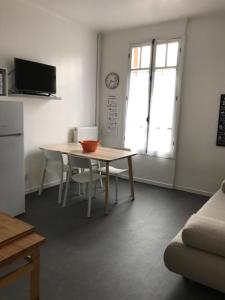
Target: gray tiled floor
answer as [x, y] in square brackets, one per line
[115, 257]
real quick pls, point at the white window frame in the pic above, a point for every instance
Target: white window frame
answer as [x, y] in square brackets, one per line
[152, 68]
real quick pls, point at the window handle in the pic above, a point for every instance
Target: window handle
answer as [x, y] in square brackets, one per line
[147, 119]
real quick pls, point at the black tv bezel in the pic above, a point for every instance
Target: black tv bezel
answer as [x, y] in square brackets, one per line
[28, 91]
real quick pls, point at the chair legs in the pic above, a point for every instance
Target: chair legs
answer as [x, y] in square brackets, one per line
[42, 182]
[79, 189]
[100, 179]
[67, 188]
[88, 192]
[86, 189]
[95, 189]
[116, 185]
[89, 185]
[101, 183]
[43, 179]
[60, 188]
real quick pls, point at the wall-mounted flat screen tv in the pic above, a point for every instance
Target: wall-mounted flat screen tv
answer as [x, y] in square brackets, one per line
[34, 78]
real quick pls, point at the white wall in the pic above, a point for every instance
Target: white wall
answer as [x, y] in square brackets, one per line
[200, 164]
[115, 49]
[34, 34]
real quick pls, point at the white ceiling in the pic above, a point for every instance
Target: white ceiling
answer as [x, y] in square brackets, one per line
[104, 15]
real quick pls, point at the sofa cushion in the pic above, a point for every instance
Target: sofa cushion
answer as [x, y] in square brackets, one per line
[205, 233]
[200, 266]
[214, 207]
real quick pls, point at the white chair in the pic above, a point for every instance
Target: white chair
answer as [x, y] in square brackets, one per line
[95, 168]
[50, 156]
[87, 177]
[88, 133]
[115, 172]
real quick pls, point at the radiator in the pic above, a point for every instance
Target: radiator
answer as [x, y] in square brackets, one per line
[85, 133]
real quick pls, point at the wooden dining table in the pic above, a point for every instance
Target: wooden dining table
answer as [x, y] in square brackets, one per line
[104, 154]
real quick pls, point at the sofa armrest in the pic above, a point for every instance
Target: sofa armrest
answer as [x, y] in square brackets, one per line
[205, 233]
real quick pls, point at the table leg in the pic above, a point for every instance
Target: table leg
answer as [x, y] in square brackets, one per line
[131, 177]
[35, 276]
[106, 188]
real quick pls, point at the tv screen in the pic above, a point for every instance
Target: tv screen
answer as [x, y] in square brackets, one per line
[34, 78]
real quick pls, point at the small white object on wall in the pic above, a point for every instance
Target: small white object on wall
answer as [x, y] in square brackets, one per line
[85, 133]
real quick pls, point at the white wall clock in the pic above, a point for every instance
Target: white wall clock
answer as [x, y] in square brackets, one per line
[112, 80]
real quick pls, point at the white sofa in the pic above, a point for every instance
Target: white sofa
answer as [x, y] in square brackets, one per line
[198, 250]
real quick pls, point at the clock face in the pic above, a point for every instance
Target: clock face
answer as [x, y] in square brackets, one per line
[112, 80]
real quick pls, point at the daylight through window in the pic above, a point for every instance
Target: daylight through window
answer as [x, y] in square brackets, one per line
[153, 78]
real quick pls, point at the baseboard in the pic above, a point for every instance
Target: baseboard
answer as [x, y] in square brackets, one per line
[46, 185]
[138, 179]
[194, 191]
[170, 186]
[148, 181]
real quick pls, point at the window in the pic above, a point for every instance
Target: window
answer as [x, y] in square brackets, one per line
[150, 118]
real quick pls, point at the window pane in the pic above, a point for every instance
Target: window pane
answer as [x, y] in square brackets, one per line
[162, 112]
[160, 55]
[135, 62]
[172, 53]
[137, 110]
[145, 56]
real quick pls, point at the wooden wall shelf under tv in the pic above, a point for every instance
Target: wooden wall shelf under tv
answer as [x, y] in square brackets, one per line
[34, 96]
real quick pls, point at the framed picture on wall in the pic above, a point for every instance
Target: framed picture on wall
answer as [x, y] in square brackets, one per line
[3, 82]
[221, 123]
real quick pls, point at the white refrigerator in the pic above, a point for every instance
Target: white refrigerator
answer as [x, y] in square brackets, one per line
[12, 183]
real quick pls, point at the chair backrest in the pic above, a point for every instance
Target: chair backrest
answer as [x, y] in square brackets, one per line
[79, 162]
[52, 155]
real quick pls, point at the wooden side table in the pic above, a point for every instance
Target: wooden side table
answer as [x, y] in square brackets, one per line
[18, 240]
